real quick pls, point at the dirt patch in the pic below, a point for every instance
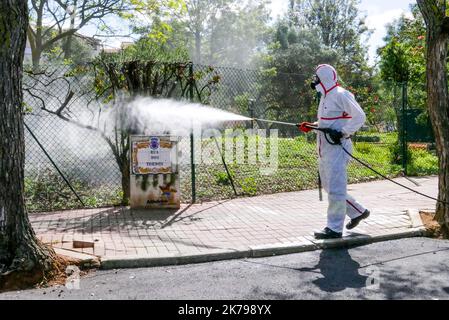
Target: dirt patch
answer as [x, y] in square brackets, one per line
[62, 270]
[432, 226]
[60, 277]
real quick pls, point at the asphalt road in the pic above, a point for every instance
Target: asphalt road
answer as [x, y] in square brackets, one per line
[415, 268]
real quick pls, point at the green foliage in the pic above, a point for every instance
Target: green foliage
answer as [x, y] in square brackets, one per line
[339, 22]
[222, 178]
[403, 60]
[341, 27]
[403, 57]
[405, 43]
[422, 163]
[298, 168]
[358, 138]
[242, 102]
[316, 32]
[150, 49]
[234, 37]
[80, 50]
[397, 153]
[55, 24]
[286, 90]
[47, 191]
[249, 186]
[364, 148]
[423, 119]
[395, 65]
[214, 32]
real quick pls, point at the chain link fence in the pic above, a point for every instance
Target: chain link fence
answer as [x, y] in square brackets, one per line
[71, 162]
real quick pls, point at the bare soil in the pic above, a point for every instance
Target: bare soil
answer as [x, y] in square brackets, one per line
[35, 279]
[432, 226]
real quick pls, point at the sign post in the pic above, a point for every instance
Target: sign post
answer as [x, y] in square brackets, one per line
[154, 172]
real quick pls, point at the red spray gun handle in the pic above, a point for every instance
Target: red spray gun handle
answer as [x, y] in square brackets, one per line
[334, 135]
[305, 127]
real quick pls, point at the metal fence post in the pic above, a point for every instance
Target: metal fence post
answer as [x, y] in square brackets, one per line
[404, 127]
[251, 104]
[54, 164]
[192, 138]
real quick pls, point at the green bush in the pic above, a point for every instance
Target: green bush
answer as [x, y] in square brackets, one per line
[366, 138]
[364, 148]
[249, 186]
[222, 178]
[47, 191]
[422, 163]
[397, 154]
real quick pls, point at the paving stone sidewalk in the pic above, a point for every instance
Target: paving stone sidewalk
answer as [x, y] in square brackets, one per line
[263, 225]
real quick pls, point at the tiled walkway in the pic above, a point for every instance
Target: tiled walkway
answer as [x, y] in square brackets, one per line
[237, 224]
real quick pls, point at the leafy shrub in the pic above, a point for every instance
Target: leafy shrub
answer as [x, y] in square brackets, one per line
[222, 178]
[47, 191]
[397, 154]
[249, 186]
[366, 138]
[422, 163]
[364, 148]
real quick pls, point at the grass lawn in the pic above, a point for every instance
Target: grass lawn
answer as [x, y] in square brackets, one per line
[298, 168]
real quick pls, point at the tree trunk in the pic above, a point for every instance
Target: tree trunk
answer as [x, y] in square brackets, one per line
[36, 59]
[68, 48]
[438, 96]
[22, 256]
[438, 105]
[68, 43]
[36, 38]
[125, 181]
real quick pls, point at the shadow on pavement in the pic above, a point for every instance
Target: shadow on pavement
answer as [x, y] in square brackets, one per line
[339, 271]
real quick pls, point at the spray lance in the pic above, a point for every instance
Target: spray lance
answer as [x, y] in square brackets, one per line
[333, 134]
[333, 137]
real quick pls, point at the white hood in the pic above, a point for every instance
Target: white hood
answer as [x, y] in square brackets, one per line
[329, 78]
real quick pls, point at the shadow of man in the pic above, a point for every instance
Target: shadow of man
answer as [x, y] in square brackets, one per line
[339, 271]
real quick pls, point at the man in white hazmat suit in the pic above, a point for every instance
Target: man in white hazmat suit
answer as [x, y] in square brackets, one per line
[340, 112]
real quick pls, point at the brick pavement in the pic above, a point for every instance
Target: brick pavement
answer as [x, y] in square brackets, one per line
[232, 225]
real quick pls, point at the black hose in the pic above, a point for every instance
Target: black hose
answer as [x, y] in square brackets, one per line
[391, 180]
[377, 172]
[358, 160]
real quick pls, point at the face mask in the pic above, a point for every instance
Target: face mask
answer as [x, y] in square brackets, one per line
[316, 81]
[315, 85]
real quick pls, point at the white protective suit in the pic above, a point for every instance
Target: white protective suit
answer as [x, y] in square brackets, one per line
[340, 111]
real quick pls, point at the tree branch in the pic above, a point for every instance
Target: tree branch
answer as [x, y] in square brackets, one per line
[65, 103]
[59, 114]
[60, 36]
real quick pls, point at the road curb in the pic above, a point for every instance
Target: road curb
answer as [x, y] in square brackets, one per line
[281, 249]
[152, 261]
[85, 261]
[124, 262]
[415, 217]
